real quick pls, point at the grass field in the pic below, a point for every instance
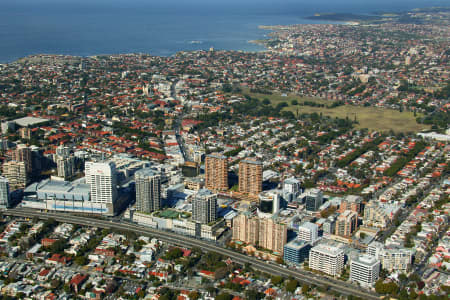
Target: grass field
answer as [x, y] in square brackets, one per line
[373, 118]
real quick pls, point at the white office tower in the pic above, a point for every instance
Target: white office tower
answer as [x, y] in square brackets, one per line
[365, 270]
[308, 232]
[204, 207]
[327, 259]
[291, 188]
[4, 192]
[101, 176]
[148, 190]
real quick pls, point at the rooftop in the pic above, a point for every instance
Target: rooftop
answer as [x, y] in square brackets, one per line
[328, 249]
[365, 260]
[146, 172]
[204, 192]
[216, 155]
[30, 121]
[252, 161]
[51, 186]
[309, 225]
[296, 244]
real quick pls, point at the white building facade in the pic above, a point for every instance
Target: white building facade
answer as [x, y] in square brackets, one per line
[365, 270]
[327, 259]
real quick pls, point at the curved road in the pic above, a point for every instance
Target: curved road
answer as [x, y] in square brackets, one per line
[186, 241]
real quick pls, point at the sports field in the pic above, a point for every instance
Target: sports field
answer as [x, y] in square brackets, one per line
[373, 118]
[169, 214]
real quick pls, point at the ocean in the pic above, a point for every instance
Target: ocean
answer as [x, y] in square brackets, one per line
[158, 27]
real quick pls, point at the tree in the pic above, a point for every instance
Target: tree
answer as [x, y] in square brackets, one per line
[403, 295]
[252, 294]
[224, 296]
[227, 88]
[194, 295]
[386, 288]
[294, 102]
[55, 283]
[58, 246]
[81, 260]
[211, 289]
[305, 288]
[276, 280]
[403, 278]
[141, 293]
[23, 228]
[174, 253]
[291, 285]
[221, 273]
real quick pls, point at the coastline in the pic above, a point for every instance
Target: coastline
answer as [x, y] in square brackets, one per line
[253, 39]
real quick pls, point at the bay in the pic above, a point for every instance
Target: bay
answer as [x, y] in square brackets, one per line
[162, 28]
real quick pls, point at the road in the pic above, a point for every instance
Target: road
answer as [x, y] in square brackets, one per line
[186, 241]
[177, 122]
[404, 213]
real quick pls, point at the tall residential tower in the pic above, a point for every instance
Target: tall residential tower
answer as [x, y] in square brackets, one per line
[148, 190]
[204, 207]
[216, 172]
[250, 176]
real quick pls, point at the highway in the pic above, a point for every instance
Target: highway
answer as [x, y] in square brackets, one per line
[186, 241]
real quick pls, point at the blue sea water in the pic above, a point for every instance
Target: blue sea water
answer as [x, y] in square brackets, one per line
[90, 27]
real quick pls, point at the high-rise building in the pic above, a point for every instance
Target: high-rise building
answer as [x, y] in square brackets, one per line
[347, 223]
[375, 249]
[326, 258]
[269, 202]
[101, 176]
[272, 235]
[375, 215]
[25, 133]
[291, 188]
[148, 190]
[351, 202]
[16, 172]
[308, 232]
[329, 226]
[66, 167]
[38, 161]
[313, 199]
[246, 229]
[4, 193]
[23, 154]
[250, 176]
[62, 151]
[204, 207]
[365, 270]
[264, 232]
[296, 251]
[216, 172]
